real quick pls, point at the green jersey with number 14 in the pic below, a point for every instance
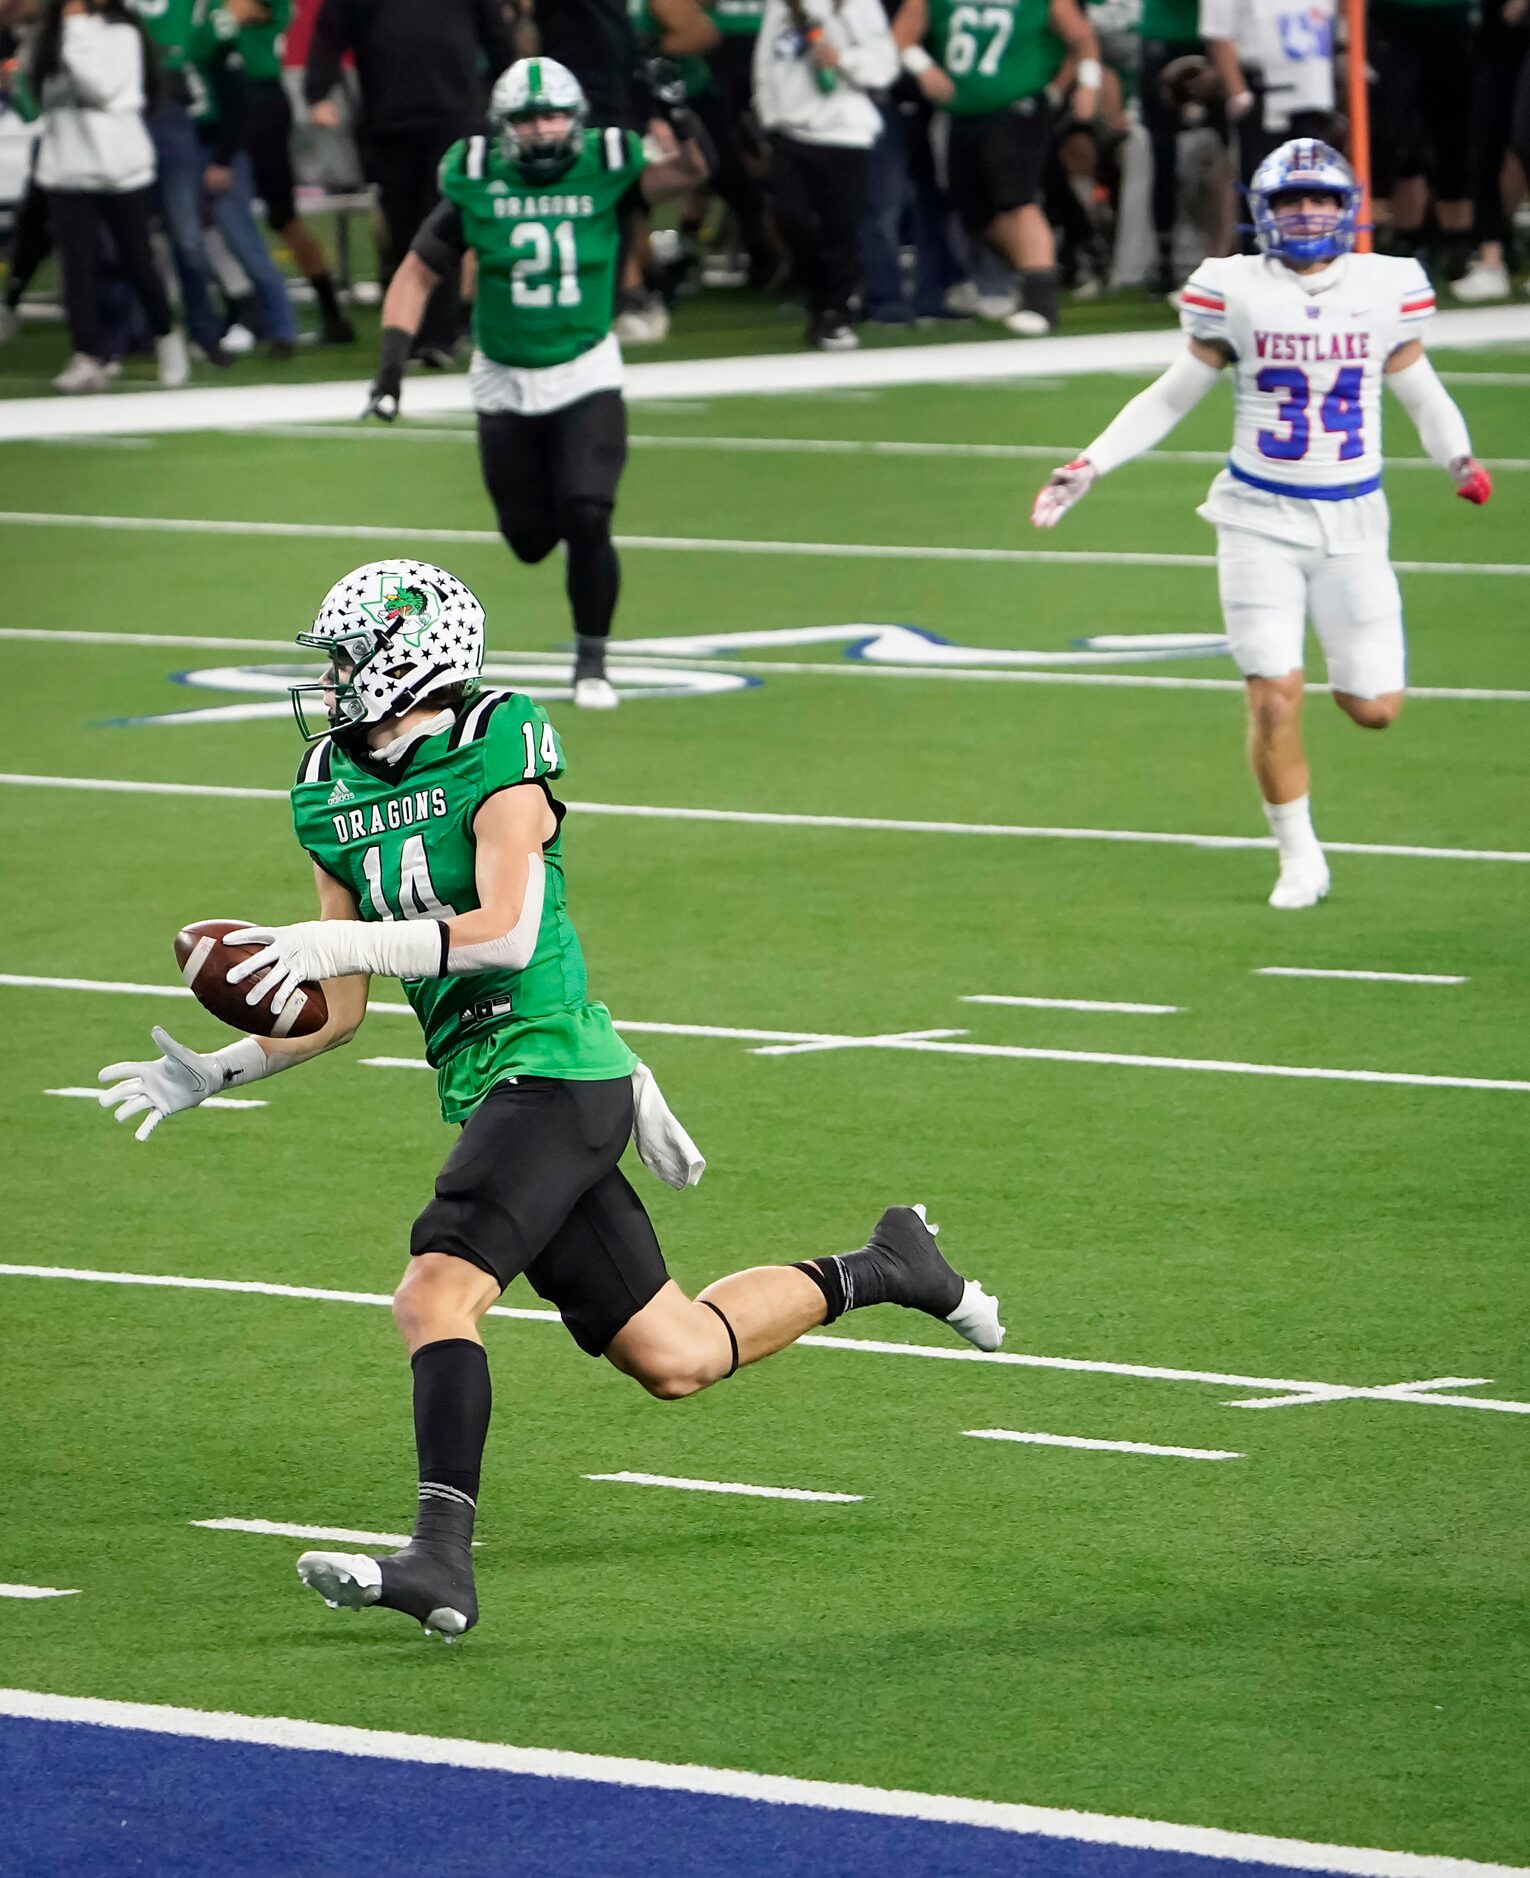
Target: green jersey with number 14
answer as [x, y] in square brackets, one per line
[994, 52]
[547, 252]
[402, 843]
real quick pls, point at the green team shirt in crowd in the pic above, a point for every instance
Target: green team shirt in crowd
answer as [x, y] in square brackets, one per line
[547, 252]
[179, 29]
[1170, 19]
[695, 73]
[738, 19]
[994, 53]
[260, 45]
[403, 845]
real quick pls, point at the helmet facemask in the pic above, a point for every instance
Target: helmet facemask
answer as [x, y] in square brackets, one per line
[538, 110]
[1305, 168]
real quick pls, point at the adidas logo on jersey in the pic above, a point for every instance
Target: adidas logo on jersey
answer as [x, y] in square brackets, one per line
[339, 794]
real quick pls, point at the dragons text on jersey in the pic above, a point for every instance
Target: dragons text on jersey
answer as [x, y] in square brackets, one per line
[547, 258]
[402, 842]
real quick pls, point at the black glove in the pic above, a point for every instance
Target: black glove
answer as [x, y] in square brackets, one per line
[665, 84]
[388, 386]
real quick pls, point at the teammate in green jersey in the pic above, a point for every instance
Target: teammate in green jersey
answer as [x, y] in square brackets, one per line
[426, 805]
[994, 68]
[541, 206]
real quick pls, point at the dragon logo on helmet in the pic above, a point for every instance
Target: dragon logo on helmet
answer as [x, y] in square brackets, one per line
[396, 633]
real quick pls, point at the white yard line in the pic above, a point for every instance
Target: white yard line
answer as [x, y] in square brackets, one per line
[905, 1040]
[796, 446]
[1074, 1004]
[851, 1043]
[866, 1346]
[1027, 1053]
[1381, 978]
[35, 1591]
[276, 1528]
[769, 668]
[763, 818]
[727, 1486]
[208, 1102]
[1111, 1447]
[730, 1783]
[681, 544]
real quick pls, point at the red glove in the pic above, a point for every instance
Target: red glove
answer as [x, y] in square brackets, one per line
[1473, 483]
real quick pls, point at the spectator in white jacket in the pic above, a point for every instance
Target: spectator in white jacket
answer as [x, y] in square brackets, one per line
[90, 72]
[815, 63]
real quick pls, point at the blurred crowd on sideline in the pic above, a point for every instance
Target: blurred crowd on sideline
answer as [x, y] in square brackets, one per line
[198, 166]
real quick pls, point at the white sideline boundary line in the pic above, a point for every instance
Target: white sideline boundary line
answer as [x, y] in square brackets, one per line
[728, 1486]
[35, 1591]
[1014, 1359]
[728, 1783]
[769, 818]
[773, 668]
[278, 1529]
[681, 544]
[150, 413]
[1103, 1447]
[1379, 978]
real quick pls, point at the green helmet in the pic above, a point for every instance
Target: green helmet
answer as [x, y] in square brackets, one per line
[530, 89]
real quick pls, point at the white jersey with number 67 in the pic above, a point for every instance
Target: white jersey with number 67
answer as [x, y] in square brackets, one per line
[1308, 357]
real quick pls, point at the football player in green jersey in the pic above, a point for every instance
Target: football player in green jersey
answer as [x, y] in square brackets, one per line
[426, 806]
[994, 68]
[541, 206]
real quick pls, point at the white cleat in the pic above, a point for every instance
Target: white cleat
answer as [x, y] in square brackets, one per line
[1301, 883]
[347, 1581]
[595, 694]
[1026, 325]
[81, 375]
[977, 1317]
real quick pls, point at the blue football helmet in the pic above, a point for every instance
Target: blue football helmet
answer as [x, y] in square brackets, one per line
[1307, 166]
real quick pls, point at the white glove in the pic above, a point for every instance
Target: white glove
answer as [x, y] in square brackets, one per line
[179, 1080]
[1062, 489]
[334, 948]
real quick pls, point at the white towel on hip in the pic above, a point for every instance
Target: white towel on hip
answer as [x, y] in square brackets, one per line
[663, 1145]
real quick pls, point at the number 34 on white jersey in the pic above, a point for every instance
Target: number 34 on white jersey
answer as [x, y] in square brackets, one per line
[1308, 357]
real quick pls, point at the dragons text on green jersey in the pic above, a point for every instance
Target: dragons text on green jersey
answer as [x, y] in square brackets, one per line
[547, 253]
[402, 842]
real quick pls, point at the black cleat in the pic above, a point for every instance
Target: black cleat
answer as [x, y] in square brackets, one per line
[429, 1584]
[914, 1272]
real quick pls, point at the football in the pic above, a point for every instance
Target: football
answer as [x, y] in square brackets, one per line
[206, 961]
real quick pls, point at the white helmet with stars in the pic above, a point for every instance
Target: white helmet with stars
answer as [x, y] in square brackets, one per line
[397, 632]
[528, 90]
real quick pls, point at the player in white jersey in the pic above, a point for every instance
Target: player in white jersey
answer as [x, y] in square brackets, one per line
[1311, 329]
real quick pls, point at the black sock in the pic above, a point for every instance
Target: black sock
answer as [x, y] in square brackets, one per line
[594, 582]
[826, 1274]
[324, 293]
[452, 1399]
[1038, 292]
[590, 655]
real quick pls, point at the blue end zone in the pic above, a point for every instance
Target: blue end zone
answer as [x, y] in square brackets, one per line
[90, 1800]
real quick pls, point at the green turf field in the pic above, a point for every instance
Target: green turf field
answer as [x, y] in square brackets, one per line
[1325, 1638]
